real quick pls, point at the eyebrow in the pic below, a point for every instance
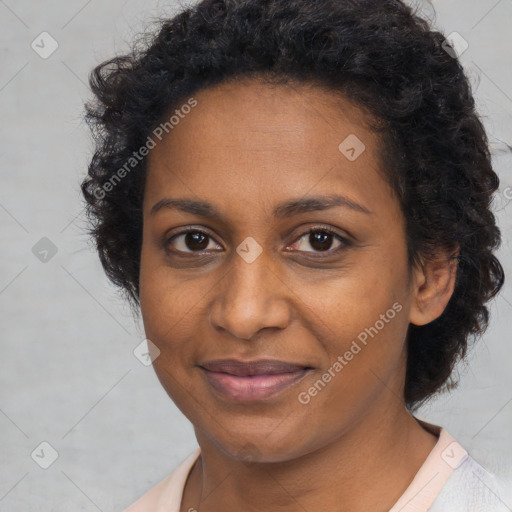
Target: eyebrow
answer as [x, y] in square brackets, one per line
[282, 210]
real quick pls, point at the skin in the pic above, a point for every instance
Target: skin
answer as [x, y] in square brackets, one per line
[245, 148]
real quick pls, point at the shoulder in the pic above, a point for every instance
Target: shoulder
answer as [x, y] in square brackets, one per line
[473, 487]
[167, 494]
[453, 480]
[149, 500]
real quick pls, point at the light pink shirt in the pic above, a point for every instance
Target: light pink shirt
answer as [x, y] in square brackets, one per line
[444, 460]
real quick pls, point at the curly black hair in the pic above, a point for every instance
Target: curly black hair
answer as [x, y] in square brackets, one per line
[381, 55]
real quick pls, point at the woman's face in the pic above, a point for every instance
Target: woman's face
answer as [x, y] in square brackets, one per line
[250, 282]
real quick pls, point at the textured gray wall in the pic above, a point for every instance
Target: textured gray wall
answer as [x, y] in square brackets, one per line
[68, 375]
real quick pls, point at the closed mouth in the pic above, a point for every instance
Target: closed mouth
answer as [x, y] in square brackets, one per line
[252, 368]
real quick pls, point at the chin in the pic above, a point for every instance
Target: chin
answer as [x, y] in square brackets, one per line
[260, 448]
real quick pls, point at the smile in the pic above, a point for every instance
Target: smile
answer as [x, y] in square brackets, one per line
[247, 386]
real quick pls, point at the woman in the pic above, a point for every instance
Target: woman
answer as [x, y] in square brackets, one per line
[296, 195]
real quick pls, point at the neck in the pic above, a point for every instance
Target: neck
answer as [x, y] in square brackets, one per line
[367, 467]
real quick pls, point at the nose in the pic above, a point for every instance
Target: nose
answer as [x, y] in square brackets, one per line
[250, 297]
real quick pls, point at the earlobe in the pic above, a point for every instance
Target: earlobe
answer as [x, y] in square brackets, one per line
[433, 287]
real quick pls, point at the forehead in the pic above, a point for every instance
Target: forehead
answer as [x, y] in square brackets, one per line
[266, 143]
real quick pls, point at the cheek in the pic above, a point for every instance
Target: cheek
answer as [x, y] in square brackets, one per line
[173, 310]
[365, 356]
[364, 338]
[168, 307]
[162, 301]
[361, 321]
[346, 304]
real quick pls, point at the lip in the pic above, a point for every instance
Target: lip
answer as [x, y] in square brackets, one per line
[254, 367]
[252, 380]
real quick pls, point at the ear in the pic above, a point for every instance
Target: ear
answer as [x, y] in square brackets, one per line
[433, 284]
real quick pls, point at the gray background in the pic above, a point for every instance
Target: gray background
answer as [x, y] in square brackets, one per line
[68, 375]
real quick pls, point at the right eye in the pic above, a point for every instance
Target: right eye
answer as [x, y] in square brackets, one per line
[190, 241]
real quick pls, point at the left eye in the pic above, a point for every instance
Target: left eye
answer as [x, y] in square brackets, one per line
[320, 239]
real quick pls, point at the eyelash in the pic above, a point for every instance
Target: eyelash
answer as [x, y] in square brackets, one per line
[317, 229]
